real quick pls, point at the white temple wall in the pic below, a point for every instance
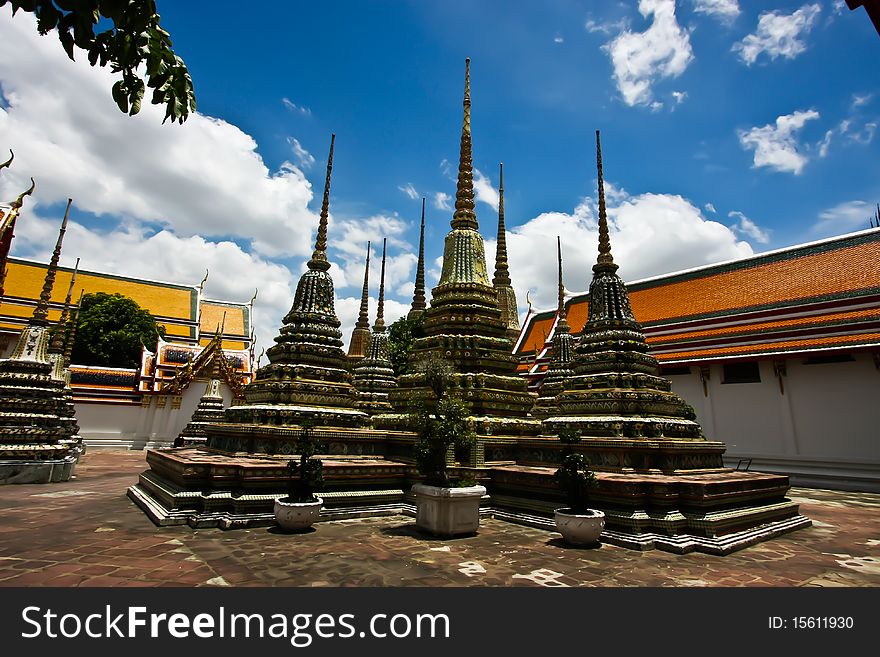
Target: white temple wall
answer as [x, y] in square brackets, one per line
[109, 425]
[823, 430]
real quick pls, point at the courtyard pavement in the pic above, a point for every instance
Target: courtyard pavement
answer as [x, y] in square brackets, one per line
[86, 532]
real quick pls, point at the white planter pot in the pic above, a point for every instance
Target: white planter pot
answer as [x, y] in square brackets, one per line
[580, 529]
[448, 511]
[293, 516]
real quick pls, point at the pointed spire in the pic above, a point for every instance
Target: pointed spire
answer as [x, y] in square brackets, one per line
[379, 326]
[42, 310]
[418, 302]
[363, 321]
[319, 256]
[464, 216]
[502, 273]
[605, 262]
[70, 331]
[57, 344]
[562, 322]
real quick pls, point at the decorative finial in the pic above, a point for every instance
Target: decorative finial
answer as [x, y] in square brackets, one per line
[502, 272]
[17, 203]
[202, 284]
[560, 306]
[319, 257]
[363, 320]
[9, 161]
[42, 310]
[605, 262]
[57, 344]
[464, 216]
[418, 302]
[529, 301]
[379, 326]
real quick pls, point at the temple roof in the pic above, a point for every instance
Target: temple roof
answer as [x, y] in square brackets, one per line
[815, 296]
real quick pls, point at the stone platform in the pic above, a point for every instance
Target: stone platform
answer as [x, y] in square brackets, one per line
[713, 510]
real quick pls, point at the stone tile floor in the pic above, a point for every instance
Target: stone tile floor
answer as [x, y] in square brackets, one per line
[86, 532]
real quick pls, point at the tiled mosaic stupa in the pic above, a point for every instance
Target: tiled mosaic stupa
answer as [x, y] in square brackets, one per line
[616, 389]
[464, 323]
[418, 303]
[308, 377]
[559, 370]
[38, 431]
[374, 375]
[210, 410]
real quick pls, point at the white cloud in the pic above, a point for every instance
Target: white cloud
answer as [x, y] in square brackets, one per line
[778, 35]
[484, 191]
[441, 201]
[409, 190]
[640, 59]
[749, 228]
[865, 135]
[843, 218]
[710, 208]
[608, 27]
[724, 10]
[825, 144]
[558, 39]
[679, 96]
[293, 107]
[303, 158]
[858, 100]
[446, 167]
[203, 177]
[131, 250]
[651, 234]
[775, 145]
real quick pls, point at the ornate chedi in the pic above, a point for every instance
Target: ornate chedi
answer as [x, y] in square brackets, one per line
[59, 366]
[616, 389]
[464, 326]
[418, 302]
[360, 336]
[501, 280]
[559, 370]
[307, 378]
[38, 441]
[209, 411]
[374, 375]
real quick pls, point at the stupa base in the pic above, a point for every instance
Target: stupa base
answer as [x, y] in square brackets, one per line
[38, 472]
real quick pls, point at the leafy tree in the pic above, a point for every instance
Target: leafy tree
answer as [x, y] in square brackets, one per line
[441, 425]
[307, 474]
[132, 38]
[401, 335]
[111, 329]
[574, 476]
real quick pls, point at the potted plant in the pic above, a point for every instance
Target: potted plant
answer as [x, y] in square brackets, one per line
[301, 507]
[444, 506]
[578, 524]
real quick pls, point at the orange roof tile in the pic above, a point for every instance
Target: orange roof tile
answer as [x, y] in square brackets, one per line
[789, 345]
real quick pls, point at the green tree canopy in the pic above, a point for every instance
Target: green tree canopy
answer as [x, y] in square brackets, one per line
[401, 335]
[111, 329]
[132, 38]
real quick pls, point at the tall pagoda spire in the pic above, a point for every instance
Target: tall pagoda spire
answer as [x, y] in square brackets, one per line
[374, 375]
[418, 302]
[466, 325]
[56, 346]
[360, 336]
[308, 378]
[464, 216]
[605, 262]
[319, 256]
[562, 343]
[379, 326]
[501, 281]
[41, 312]
[70, 331]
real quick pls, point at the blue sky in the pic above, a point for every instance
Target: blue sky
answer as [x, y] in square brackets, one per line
[728, 128]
